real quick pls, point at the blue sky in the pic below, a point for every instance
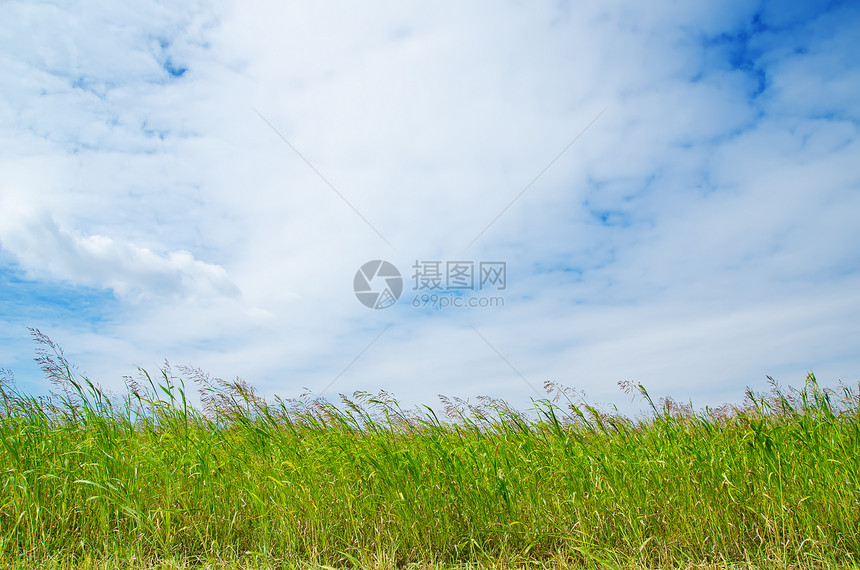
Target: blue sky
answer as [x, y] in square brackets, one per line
[698, 234]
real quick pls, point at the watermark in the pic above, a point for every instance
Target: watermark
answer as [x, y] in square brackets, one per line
[438, 284]
[459, 275]
[439, 302]
[377, 284]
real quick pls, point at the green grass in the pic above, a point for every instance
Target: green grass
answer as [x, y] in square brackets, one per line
[146, 480]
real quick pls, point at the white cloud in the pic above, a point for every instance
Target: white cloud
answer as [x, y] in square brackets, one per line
[48, 251]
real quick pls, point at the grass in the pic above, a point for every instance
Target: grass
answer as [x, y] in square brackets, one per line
[146, 480]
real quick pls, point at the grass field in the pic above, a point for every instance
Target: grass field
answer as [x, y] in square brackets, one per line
[145, 480]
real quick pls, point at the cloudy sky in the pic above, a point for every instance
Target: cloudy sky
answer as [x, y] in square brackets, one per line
[674, 188]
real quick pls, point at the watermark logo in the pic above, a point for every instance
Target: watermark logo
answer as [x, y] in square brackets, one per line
[438, 284]
[459, 275]
[377, 284]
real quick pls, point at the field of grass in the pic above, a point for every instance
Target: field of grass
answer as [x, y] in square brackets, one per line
[146, 480]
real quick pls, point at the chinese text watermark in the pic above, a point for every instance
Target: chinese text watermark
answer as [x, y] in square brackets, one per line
[438, 284]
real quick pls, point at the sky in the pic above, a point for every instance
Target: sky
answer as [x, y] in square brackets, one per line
[671, 188]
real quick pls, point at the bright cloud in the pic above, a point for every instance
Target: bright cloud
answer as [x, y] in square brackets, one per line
[49, 251]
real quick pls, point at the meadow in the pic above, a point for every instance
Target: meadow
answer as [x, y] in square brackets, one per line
[146, 480]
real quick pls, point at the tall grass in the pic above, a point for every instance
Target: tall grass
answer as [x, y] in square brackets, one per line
[147, 476]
